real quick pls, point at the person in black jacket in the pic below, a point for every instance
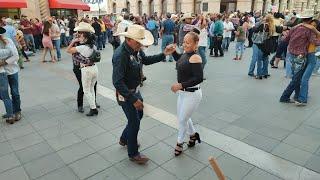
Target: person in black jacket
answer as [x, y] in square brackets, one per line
[127, 61]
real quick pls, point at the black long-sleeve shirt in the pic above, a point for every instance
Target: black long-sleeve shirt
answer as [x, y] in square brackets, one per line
[126, 69]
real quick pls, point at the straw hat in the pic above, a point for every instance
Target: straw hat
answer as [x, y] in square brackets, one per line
[173, 16]
[84, 27]
[308, 13]
[187, 16]
[139, 34]
[9, 21]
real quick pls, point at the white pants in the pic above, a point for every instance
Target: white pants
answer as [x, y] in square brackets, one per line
[89, 76]
[187, 103]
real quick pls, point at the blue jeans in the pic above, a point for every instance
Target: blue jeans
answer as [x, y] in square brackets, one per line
[226, 43]
[29, 39]
[311, 62]
[317, 66]
[202, 53]
[261, 60]
[239, 48]
[104, 39]
[130, 133]
[56, 44]
[294, 84]
[4, 94]
[14, 87]
[154, 33]
[166, 40]
[288, 67]
[99, 41]
[63, 39]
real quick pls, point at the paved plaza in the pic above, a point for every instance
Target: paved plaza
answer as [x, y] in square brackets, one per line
[240, 120]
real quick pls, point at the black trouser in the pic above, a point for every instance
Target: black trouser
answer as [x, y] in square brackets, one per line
[37, 41]
[77, 72]
[250, 37]
[217, 45]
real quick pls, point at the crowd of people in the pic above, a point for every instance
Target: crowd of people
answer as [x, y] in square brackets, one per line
[186, 39]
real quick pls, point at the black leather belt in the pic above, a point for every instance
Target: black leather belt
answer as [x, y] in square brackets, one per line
[87, 65]
[193, 89]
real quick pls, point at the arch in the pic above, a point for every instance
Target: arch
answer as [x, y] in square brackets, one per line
[178, 6]
[114, 7]
[140, 8]
[197, 6]
[151, 7]
[164, 7]
[128, 6]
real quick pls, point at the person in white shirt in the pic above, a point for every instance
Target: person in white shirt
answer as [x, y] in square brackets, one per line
[203, 39]
[228, 28]
[9, 76]
[122, 26]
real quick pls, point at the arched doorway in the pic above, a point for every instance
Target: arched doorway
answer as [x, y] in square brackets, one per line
[114, 8]
[164, 7]
[228, 6]
[197, 6]
[128, 6]
[178, 6]
[151, 7]
[140, 8]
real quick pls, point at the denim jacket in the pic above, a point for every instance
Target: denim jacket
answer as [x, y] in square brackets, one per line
[127, 66]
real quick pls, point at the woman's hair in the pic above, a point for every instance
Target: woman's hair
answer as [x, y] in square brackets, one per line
[46, 28]
[271, 26]
[194, 36]
[90, 39]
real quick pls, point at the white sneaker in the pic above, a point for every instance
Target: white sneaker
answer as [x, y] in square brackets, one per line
[297, 103]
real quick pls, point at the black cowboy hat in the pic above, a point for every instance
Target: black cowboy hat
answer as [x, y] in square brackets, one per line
[2, 30]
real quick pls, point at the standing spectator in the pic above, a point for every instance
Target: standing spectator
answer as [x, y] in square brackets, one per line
[122, 26]
[62, 27]
[55, 36]
[9, 75]
[203, 40]
[228, 28]
[252, 22]
[97, 29]
[103, 33]
[36, 30]
[167, 32]
[26, 27]
[218, 36]
[22, 46]
[152, 26]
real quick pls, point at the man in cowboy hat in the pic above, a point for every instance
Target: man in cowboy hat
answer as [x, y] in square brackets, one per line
[299, 38]
[185, 27]
[127, 61]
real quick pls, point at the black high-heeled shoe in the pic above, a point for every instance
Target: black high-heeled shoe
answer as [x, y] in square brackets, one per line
[80, 109]
[193, 139]
[93, 112]
[178, 150]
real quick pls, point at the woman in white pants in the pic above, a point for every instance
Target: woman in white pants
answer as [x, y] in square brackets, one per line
[190, 75]
[81, 54]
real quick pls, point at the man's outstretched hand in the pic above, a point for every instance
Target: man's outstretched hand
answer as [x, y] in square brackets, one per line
[170, 49]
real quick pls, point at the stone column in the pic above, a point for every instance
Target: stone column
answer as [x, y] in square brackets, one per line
[157, 6]
[244, 5]
[283, 5]
[187, 6]
[291, 5]
[213, 6]
[258, 5]
[268, 5]
[171, 6]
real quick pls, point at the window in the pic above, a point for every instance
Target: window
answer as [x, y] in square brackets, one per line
[205, 7]
[9, 12]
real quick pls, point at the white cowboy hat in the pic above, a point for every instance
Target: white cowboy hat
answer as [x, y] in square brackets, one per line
[308, 13]
[187, 16]
[139, 34]
[9, 21]
[84, 27]
[173, 16]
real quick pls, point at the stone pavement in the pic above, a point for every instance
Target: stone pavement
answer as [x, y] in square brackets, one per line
[53, 141]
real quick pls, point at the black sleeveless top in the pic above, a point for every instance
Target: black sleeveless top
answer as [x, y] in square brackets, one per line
[189, 74]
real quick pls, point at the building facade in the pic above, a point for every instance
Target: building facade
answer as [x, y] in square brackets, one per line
[139, 7]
